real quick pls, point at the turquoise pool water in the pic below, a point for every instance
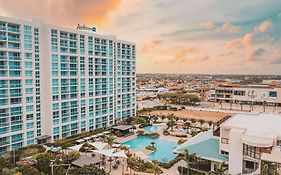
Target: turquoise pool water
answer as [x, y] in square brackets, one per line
[151, 129]
[164, 147]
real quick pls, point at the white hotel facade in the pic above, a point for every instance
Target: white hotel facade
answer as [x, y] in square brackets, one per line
[56, 82]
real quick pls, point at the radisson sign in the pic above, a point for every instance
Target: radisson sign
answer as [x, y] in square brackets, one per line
[84, 27]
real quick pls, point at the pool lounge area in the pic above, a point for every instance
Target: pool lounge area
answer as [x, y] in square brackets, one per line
[164, 152]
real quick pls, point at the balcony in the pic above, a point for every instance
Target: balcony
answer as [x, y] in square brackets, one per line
[13, 29]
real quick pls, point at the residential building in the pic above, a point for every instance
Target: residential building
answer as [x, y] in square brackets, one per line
[56, 82]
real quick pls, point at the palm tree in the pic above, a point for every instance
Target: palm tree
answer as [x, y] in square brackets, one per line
[219, 169]
[220, 103]
[268, 168]
[230, 104]
[152, 144]
[155, 168]
[264, 103]
[241, 106]
[162, 117]
[109, 140]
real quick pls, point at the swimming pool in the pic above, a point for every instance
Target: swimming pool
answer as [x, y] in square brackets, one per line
[151, 129]
[164, 152]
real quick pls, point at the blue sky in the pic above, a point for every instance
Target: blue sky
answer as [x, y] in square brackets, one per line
[177, 36]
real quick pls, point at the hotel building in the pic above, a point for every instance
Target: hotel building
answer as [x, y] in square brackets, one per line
[56, 82]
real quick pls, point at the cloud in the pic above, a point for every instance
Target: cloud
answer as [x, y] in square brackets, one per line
[207, 25]
[248, 39]
[233, 44]
[63, 12]
[228, 27]
[259, 51]
[264, 26]
[182, 54]
[150, 45]
[276, 60]
[204, 58]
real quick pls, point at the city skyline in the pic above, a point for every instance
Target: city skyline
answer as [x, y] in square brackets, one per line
[177, 36]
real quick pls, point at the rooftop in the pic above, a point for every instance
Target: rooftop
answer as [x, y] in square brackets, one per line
[86, 160]
[260, 125]
[123, 127]
[205, 146]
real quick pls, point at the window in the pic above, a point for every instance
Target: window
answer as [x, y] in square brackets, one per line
[29, 125]
[251, 151]
[249, 164]
[29, 108]
[224, 140]
[273, 94]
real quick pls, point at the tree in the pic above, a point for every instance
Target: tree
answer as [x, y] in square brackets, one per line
[109, 140]
[73, 171]
[268, 168]
[92, 170]
[219, 169]
[28, 170]
[59, 170]
[220, 103]
[70, 157]
[155, 168]
[171, 121]
[264, 103]
[43, 162]
[152, 144]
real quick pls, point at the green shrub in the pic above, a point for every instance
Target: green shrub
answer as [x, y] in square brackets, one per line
[151, 148]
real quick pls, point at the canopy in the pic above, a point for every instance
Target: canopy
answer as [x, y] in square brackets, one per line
[87, 138]
[80, 140]
[100, 134]
[141, 155]
[94, 136]
[76, 147]
[106, 152]
[116, 145]
[120, 154]
[98, 145]
[106, 132]
[257, 141]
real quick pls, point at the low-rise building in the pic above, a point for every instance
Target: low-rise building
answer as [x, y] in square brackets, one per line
[246, 94]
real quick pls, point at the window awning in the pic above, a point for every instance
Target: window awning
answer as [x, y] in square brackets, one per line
[257, 141]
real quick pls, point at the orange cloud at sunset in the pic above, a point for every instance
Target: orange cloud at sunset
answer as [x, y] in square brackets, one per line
[264, 26]
[150, 45]
[63, 12]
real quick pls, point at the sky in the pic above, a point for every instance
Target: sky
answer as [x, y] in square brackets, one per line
[176, 36]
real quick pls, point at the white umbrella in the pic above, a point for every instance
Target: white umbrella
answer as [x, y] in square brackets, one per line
[98, 145]
[106, 152]
[120, 154]
[76, 147]
[80, 140]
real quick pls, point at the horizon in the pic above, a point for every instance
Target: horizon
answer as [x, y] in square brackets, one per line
[174, 37]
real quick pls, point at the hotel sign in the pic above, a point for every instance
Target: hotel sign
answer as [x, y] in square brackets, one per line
[84, 27]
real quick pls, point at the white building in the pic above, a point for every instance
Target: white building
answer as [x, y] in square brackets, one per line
[251, 140]
[56, 82]
[247, 94]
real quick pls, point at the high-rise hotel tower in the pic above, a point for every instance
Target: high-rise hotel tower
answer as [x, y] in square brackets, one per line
[56, 82]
